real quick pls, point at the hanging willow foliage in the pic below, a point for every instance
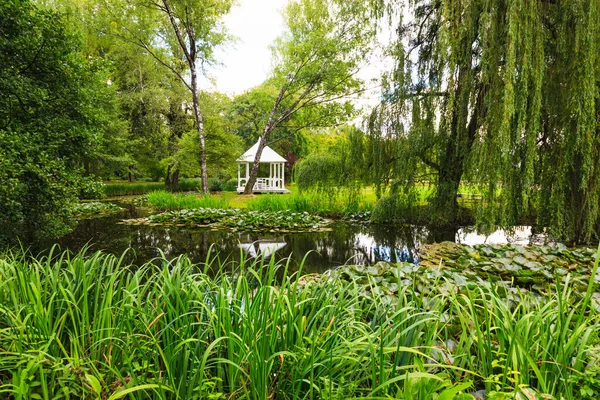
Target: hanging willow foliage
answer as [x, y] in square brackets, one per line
[503, 94]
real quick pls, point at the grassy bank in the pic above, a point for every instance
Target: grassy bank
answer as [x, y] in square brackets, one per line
[298, 203]
[124, 188]
[90, 327]
[171, 201]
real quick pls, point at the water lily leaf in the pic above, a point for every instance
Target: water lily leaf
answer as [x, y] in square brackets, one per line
[520, 260]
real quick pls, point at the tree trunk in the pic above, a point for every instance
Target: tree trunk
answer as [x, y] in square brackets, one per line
[172, 177]
[131, 175]
[199, 127]
[458, 148]
[271, 123]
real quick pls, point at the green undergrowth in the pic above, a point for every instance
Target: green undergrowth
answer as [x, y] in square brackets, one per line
[311, 203]
[298, 203]
[94, 209]
[138, 188]
[237, 219]
[90, 327]
[169, 201]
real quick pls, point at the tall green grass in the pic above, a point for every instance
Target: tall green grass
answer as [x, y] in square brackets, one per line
[112, 189]
[91, 327]
[169, 201]
[312, 203]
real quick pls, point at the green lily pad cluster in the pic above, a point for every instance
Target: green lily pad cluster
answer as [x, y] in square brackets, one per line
[358, 216]
[93, 209]
[447, 268]
[239, 220]
[526, 266]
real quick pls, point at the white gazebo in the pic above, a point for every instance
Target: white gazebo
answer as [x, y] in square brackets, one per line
[275, 183]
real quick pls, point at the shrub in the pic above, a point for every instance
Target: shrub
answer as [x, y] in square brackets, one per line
[215, 185]
[384, 210]
[90, 188]
[231, 185]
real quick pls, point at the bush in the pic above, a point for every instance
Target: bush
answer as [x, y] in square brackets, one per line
[231, 185]
[384, 210]
[215, 185]
[91, 188]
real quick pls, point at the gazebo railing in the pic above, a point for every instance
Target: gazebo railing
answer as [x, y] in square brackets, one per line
[264, 184]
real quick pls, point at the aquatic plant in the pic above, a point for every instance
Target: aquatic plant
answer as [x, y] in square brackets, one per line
[91, 209]
[237, 219]
[91, 327]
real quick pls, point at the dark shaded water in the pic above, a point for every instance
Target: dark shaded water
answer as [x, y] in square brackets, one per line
[345, 243]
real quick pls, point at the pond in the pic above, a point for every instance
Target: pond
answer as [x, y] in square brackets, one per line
[345, 243]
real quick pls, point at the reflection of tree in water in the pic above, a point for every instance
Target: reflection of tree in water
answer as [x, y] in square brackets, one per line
[345, 243]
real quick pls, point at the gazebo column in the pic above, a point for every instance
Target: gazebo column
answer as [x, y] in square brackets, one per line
[270, 174]
[283, 175]
[279, 176]
[238, 175]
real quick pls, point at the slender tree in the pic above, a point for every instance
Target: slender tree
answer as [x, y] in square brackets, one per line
[317, 60]
[188, 31]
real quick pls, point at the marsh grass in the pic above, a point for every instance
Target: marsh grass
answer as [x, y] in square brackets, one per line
[112, 189]
[298, 203]
[169, 201]
[312, 203]
[90, 326]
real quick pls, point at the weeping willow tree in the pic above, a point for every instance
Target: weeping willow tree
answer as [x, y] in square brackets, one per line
[336, 170]
[503, 94]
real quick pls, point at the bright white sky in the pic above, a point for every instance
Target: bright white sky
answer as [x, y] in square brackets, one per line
[245, 64]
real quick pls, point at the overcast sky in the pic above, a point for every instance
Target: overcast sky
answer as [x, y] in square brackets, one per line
[246, 63]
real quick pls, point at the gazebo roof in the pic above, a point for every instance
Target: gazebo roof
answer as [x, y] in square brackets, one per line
[268, 155]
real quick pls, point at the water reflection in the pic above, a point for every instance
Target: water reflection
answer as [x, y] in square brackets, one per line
[518, 235]
[345, 243]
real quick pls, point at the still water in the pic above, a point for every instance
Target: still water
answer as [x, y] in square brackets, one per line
[344, 243]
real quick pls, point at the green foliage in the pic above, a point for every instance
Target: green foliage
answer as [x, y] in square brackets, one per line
[319, 172]
[392, 331]
[223, 147]
[502, 94]
[169, 201]
[127, 188]
[517, 315]
[336, 170]
[94, 209]
[314, 203]
[215, 185]
[51, 113]
[230, 185]
[90, 188]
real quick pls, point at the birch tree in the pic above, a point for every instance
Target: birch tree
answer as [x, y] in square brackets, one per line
[186, 35]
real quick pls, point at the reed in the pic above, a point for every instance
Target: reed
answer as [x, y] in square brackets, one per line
[112, 189]
[168, 201]
[92, 327]
[311, 203]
